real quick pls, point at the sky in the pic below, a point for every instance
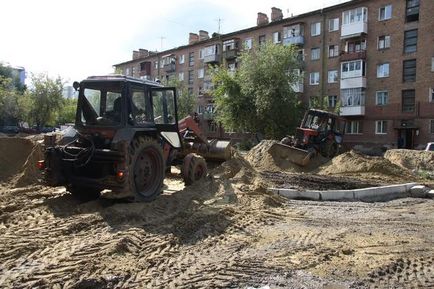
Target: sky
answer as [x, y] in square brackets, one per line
[76, 39]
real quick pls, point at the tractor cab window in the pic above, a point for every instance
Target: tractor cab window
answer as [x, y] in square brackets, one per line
[164, 106]
[139, 111]
[101, 104]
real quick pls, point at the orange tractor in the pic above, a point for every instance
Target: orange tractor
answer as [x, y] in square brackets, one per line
[320, 132]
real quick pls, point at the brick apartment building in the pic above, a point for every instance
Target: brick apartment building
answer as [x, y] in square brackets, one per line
[374, 56]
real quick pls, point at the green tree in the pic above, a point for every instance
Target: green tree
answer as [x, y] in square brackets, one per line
[45, 97]
[9, 107]
[186, 101]
[67, 112]
[8, 73]
[259, 97]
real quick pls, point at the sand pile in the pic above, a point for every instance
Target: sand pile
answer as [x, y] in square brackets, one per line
[18, 158]
[353, 162]
[411, 159]
[260, 158]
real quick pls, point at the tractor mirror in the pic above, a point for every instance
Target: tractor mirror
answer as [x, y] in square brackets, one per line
[76, 85]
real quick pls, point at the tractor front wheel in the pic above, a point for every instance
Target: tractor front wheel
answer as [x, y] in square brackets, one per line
[193, 169]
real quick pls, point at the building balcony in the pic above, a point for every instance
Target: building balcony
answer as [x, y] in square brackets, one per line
[294, 40]
[213, 58]
[348, 56]
[171, 67]
[353, 82]
[354, 29]
[352, 110]
[230, 54]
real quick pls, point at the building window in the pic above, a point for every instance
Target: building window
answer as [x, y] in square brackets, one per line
[353, 127]
[432, 64]
[409, 70]
[408, 100]
[353, 97]
[200, 73]
[353, 69]
[355, 46]
[156, 64]
[412, 10]
[314, 53]
[315, 29]
[277, 37]
[333, 24]
[201, 53]
[181, 59]
[381, 127]
[410, 41]
[383, 42]
[332, 101]
[212, 127]
[383, 70]
[382, 97]
[355, 15]
[262, 39]
[385, 13]
[300, 55]
[248, 43]
[333, 50]
[432, 126]
[190, 76]
[293, 31]
[431, 94]
[314, 78]
[332, 76]
[181, 76]
[191, 59]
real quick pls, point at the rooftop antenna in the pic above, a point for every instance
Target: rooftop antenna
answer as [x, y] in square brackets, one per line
[161, 42]
[219, 21]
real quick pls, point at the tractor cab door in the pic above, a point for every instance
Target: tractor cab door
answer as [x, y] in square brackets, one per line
[166, 114]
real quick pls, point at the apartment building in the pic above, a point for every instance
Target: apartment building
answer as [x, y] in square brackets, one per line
[372, 58]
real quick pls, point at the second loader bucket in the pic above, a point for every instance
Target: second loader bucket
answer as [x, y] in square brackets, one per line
[291, 154]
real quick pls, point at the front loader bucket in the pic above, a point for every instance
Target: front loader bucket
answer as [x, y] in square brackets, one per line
[292, 154]
[219, 150]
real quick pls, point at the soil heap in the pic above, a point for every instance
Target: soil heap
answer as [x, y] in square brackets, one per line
[411, 159]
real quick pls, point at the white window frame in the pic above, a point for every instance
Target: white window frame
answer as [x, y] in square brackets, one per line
[432, 126]
[315, 53]
[382, 95]
[333, 76]
[431, 95]
[248, 43]
[353, 127]
[432, 64]
[381, 127]
[350, 69]
[315, 29]
[382, 71]
[335, 51]
[200, 73]
[314, 78]
[181, 59]
[387, 13]
[356, 15]
[277, 37]
[334, 24]
[383, 44]
[181, 76]
[333, 100]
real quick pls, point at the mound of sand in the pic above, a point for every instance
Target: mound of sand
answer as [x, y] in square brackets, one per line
[411, 159]
[18, 157]
[353, 162]
[261, 158]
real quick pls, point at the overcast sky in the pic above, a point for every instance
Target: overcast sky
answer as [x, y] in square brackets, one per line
[75, 39]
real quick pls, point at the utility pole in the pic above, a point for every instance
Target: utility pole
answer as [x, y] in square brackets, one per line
[161, 42]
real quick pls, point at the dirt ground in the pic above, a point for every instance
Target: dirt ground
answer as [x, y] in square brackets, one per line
[223, 232]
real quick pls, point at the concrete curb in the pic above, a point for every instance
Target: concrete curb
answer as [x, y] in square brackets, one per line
[374, 194]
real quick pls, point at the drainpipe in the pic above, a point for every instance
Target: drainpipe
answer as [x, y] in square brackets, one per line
[324, 54]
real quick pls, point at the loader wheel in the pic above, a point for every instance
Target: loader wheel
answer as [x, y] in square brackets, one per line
[329, 149]
[146, 167]
[83, 194]
[193, 169]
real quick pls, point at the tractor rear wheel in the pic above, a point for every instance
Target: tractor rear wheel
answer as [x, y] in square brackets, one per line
[193, 169]
[329, 149]
[146, 168]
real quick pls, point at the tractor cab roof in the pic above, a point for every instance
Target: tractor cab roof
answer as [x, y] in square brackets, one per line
[119, 77]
